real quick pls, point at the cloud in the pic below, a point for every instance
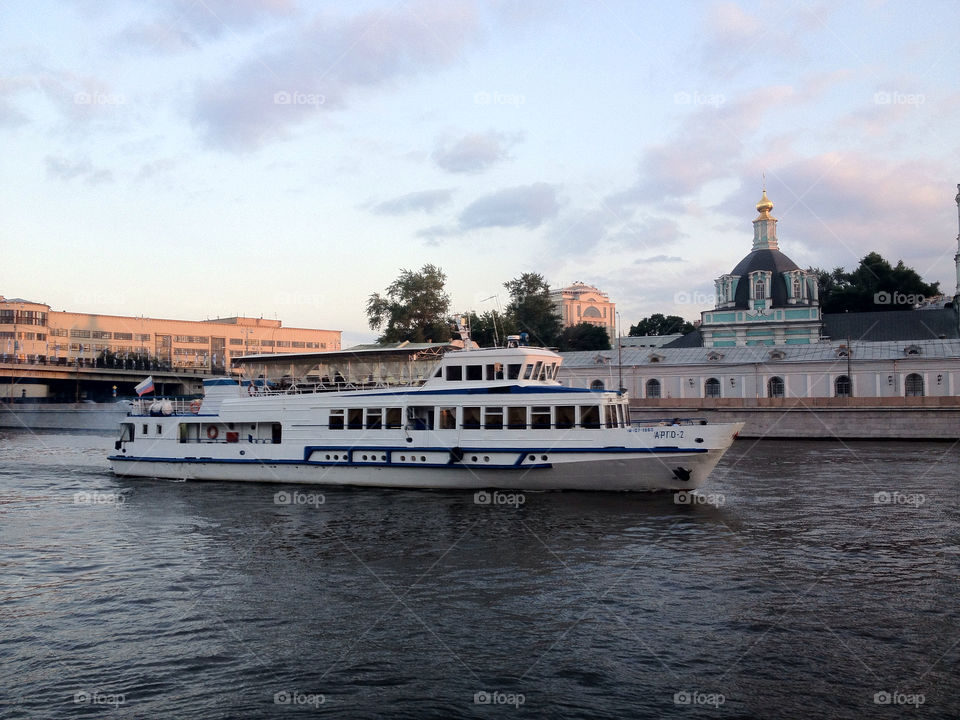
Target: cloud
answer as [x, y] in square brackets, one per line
[183, 24]
[317, 66]
[658, 259]
[834, 208]
[473, 153]
[426, 200]
[66, 170]
[524, 206]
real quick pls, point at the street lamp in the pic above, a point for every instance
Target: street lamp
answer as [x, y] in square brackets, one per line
[619, 355]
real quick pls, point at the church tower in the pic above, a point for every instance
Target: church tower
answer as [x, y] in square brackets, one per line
[766, 299]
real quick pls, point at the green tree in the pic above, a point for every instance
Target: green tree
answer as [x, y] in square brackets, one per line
[584, 336]
[874, 285]
[531, 310]
[660, 324]
[415, 307]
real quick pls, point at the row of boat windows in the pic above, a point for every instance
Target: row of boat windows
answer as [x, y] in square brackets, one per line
[539, 370]
[429, 417]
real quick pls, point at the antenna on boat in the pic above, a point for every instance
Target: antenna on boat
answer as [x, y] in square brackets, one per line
[463, 327]
[496, 336]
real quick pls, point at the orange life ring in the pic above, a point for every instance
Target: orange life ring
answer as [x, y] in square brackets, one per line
[195, 407]
[212, 432]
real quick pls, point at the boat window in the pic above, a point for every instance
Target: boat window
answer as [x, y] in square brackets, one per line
[474, 372]
[374, 418]
[336, 420]
[540, 418]
[566, 416]
[420, 417]
[493, 418]
[394, 417]
[446, 418]
[146, 429]
[623, 415]
[355, 418]
[513, 371]
[589, 416]
[538, 370]
[517, 417]
[495, 371]
[549, 370]
[439, 372]
[610, 415]
[454, 372]
[527, 372]
[126, 432]
[159, 429]
[471, 418]
[276, 431]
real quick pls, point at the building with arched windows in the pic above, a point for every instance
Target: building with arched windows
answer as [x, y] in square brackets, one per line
[766, 299]
[582, 303]
[765, 354]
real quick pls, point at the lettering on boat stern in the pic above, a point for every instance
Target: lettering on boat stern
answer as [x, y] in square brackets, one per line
[681, 473]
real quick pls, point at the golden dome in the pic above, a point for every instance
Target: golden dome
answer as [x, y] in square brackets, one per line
[765, 205]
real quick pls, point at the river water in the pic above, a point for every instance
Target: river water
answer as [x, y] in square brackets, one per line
[807, 579]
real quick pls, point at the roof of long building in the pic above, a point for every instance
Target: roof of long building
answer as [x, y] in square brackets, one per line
[822, 352]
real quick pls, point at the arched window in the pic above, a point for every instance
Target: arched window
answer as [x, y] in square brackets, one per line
[653, 388]
[596, 385]
[775, 387]
[913, 385]
[842, 386]
[760, 288]
[796, 287]
[711, 388]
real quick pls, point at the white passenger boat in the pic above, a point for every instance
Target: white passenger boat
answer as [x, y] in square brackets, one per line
[478, 418]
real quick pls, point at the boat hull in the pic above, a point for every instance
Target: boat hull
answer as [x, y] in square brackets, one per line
[617, 472]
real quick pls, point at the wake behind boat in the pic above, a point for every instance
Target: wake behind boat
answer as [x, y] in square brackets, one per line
[403, 417]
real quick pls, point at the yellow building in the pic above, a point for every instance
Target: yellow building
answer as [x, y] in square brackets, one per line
[582, 303]
[31, 332]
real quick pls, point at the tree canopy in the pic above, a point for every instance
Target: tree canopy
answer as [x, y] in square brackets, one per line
[415, 307]
[531, 310]
[584, 337]
[874, 285]
[660, 324]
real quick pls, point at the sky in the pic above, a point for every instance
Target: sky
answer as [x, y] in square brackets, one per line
[194, 159]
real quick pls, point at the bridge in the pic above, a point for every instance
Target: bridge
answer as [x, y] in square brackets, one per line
[73, 383]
